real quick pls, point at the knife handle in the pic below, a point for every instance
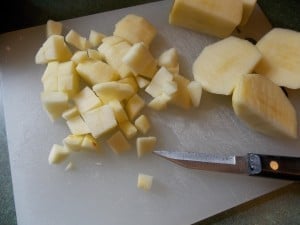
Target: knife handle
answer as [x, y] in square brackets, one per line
[282, 167]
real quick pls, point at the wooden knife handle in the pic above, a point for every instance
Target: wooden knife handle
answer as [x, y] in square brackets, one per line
[282, 167]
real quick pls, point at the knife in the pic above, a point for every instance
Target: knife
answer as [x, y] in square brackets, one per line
[274, 166]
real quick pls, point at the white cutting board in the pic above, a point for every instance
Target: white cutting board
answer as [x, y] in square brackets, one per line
[102, 188]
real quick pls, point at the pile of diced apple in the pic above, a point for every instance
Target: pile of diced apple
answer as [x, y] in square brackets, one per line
[96, 89]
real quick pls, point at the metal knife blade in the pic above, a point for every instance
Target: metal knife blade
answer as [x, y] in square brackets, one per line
[281, 167]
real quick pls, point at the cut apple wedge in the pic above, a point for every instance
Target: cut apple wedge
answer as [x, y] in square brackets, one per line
[280, 63]
[220, 65]
[264, 107]
[53, 27]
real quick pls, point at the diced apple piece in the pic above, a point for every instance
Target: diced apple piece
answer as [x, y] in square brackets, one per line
[95, 38]
[214, 17]
[140, 61]
[54, 103]
[113, 90]
[280, 62]
[89, 143]
[263, 106]
[70, 113]
[77, 126]
[112, 40]
[160, 102]
[53, 49]
[131, 81]
[142, 124]
[53, 27]
[100, 120]
[220, 65]
[145, 145]
[73, 142]
[95, 72]
[128, 129]
[182, 97]
[50, 77]
[86, 99]
[248, 7]
[76, 40]
[58, 154]
[94, 54]
[144, 181]
[142, 82]
[156, 86]
[135, 29]
[169, 59]
[195, 90]
[134, 105]
[118, 143]
[79, 57]
[119, 111]
[68, 79]
[113, 54]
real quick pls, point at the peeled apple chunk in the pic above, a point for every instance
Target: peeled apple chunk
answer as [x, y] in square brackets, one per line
[53, 27]
[220, 65]
[264, 107]
[53, 49]
[248, 7]
[58, 154]
[144, 181]
[135, 29]
[214, 17]
[280, 62]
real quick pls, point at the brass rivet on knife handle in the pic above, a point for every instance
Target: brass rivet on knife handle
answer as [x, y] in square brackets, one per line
[282, 167]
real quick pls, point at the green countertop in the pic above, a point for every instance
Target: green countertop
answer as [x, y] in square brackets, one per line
[279, 207]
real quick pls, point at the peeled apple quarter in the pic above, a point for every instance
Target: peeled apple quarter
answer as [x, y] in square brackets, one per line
[220, 65]
[280, 62]
[214, 17]
[264, 107]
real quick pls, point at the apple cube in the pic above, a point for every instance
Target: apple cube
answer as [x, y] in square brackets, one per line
[145, 145]
[79, 57]
[142, 82]
[68, 79]
[95, 38]
[58, 154]
[73, 142]
[128, 129]
[182, 97]
[70, 113]
[135, 29]
[77, 126]
[53, 49]
[89, 143]
[248, 7]
[50, 77]
[139, 59]
[113, 54]
[169, 60]
[134, 105]
[159, 82]
[195, 90]
[113, 90]
[100, 120]
[142, 124]
[95, 72]
[131, 81]
[118, 143]
[53, 27]
[76, 40]
[113, 40]
[86, 99]
[119, 111]
[144, 181]
[214, 17]
[54, 103]
[94, 54]
[160, 102]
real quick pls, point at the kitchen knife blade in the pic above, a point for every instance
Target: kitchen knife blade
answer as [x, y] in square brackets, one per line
[274, 166]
